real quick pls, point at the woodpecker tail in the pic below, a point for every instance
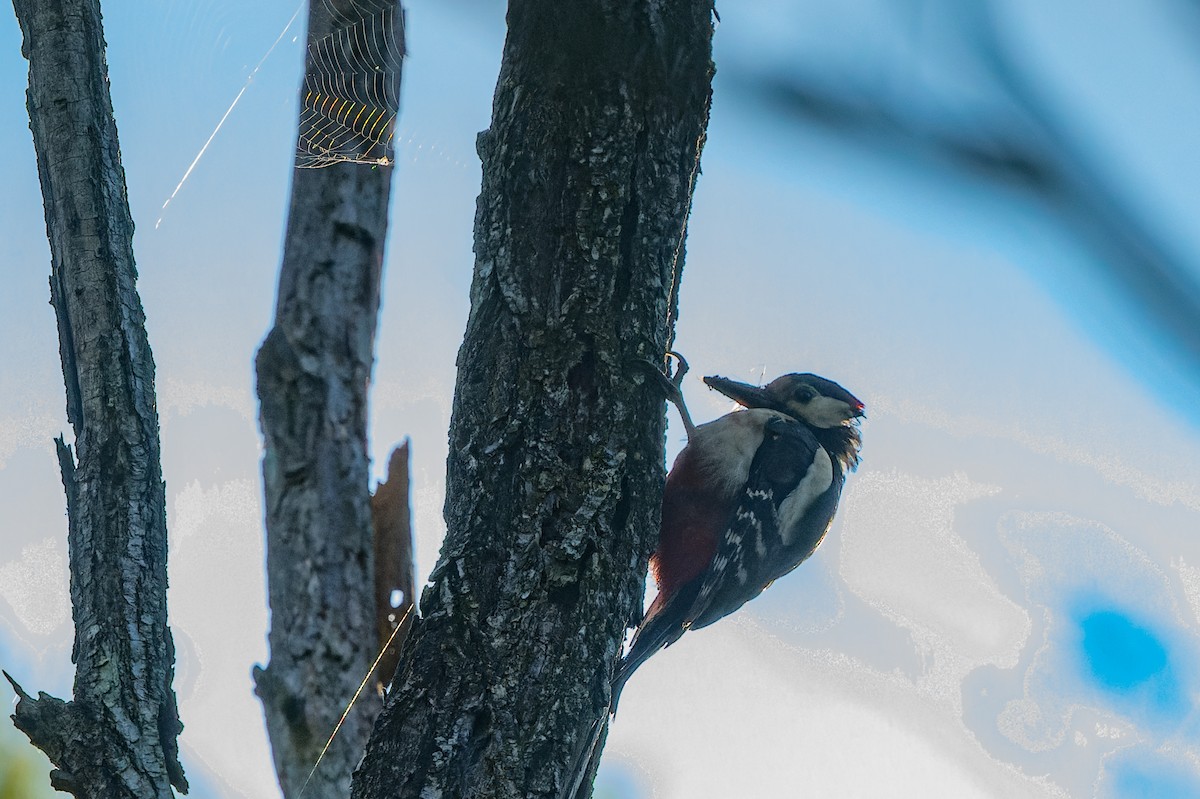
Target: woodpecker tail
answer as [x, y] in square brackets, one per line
[662, 626]
[664, 623]
[587, 760]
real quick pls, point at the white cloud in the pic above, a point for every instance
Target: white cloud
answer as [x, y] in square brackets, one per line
[217, 610]
[37, 588]
[1190, 577]
[36, 429]
[731, 712]
[901, 554]
[176, 396]
[1164, 488]
[1070, 566]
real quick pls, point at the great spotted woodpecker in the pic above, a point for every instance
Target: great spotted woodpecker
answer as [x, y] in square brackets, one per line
[749, 498]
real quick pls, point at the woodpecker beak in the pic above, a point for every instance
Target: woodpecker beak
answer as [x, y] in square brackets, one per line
[741, 393]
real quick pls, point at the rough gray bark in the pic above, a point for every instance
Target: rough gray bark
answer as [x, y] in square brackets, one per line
[555, 472]
[117, 737]
[313, 371]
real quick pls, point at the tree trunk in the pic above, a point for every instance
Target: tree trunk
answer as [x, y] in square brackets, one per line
[555, 472]
[313, 371]
[117, 737]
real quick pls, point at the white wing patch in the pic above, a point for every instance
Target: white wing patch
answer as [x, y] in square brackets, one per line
[816, 481]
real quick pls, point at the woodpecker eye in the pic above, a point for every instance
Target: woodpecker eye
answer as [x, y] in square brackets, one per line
[805, 393]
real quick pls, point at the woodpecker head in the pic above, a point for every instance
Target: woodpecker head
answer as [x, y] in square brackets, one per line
[812, 399]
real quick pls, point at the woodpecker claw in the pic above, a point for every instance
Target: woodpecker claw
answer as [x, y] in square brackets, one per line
[671, 386]
[681, 369]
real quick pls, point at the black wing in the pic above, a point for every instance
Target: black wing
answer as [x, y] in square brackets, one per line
[752, 550]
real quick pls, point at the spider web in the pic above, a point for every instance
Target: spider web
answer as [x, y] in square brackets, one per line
[352, 87]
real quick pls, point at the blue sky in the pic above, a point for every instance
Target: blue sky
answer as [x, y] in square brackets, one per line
[1008, 604]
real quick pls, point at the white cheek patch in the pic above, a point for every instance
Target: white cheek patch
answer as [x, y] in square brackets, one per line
[816, 481]
[824, 412]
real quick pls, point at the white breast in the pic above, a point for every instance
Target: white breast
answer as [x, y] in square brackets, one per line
[725, 448]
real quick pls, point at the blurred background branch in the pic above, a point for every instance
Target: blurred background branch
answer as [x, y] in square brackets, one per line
[949, 86]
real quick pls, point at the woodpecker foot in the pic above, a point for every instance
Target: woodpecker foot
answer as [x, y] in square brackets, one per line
[681, 369]
[671, 386]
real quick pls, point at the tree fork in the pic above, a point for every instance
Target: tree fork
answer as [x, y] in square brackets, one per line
[555, 472]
